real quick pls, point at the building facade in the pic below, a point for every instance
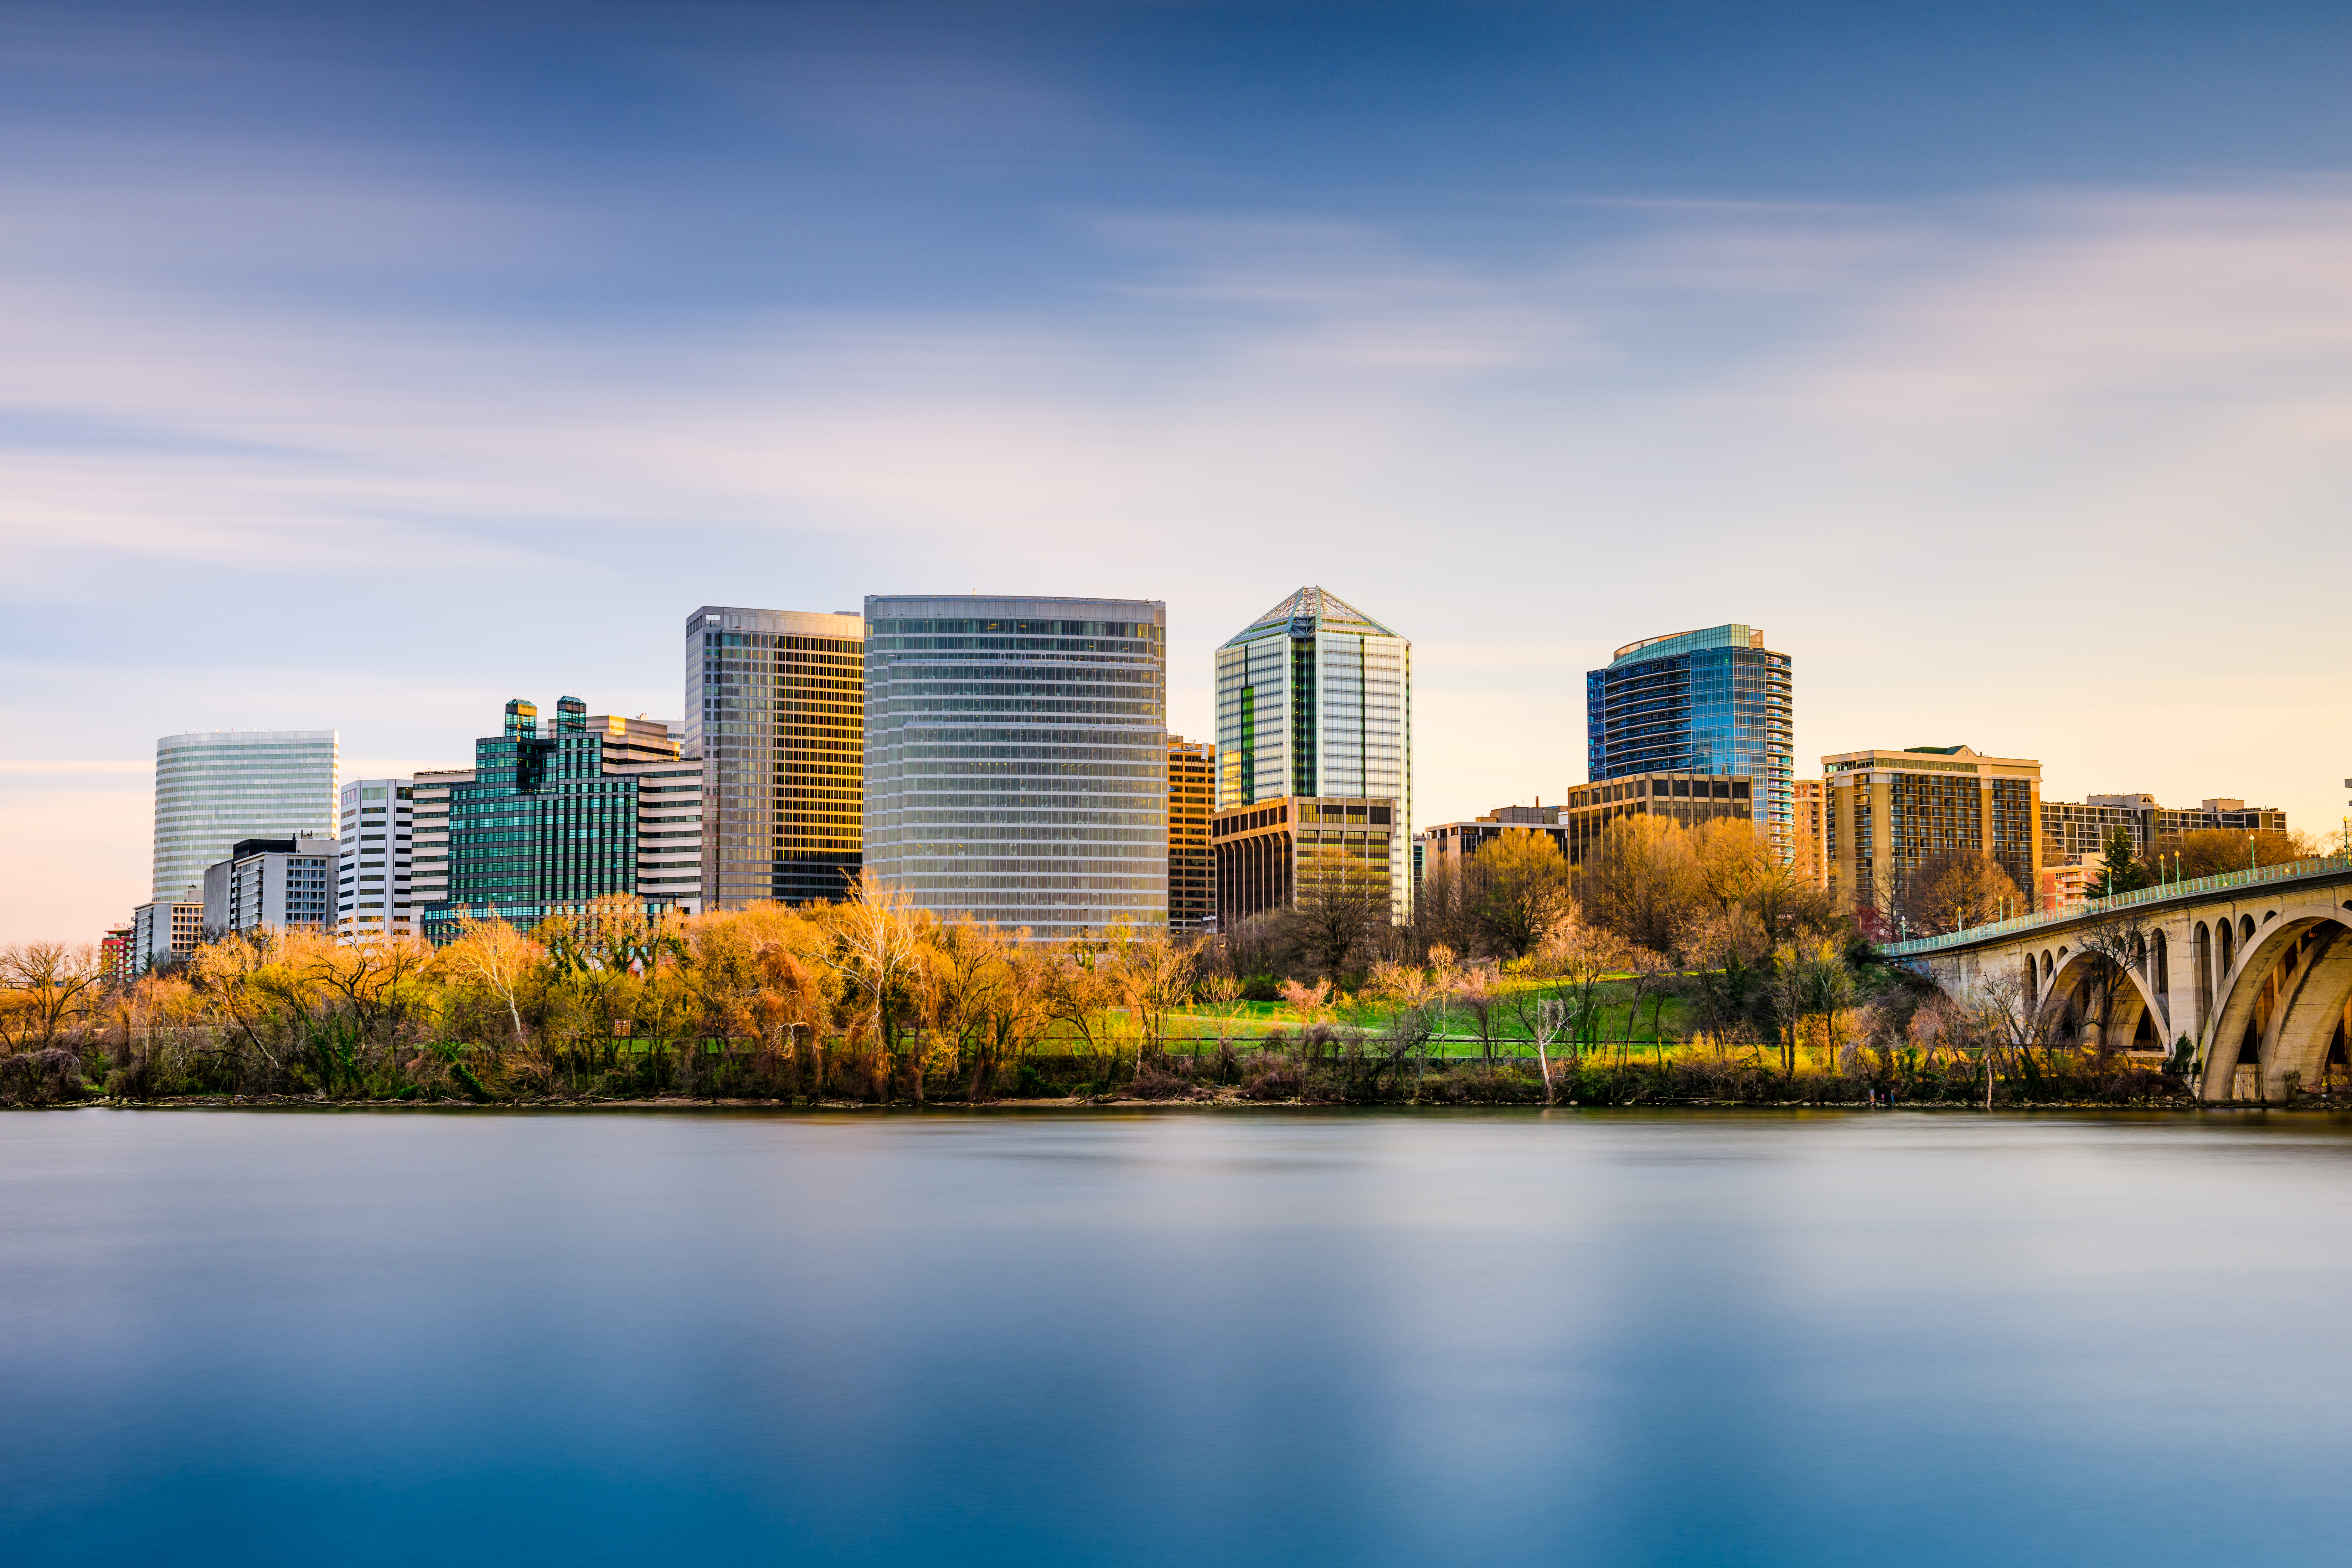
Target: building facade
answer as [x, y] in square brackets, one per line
[1016, 758]
[1454, 843]
[115, 964]
[1712, 701]
[1303, 848]
[166, 928]
[550, 823]
[272, 884]
[1688, 798]
[1314, 704]
[2074, 828]
[373, 886]
[1891, 811]
[429, 861]
[213, 787]
[1191, 866]
[1808, 857]
[775, 709]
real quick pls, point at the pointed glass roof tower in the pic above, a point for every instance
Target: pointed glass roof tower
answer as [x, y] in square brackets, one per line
[1315, 701]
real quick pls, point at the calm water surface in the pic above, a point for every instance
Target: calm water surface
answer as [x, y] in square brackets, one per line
[1171, 1339]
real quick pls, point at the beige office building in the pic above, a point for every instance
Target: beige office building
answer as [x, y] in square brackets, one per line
[1888, 812]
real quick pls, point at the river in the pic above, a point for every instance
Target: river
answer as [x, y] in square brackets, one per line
[1254, 1337]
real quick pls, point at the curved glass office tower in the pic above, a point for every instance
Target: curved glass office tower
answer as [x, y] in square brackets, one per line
[1710, 701]
[1016, 758]
[213, 787]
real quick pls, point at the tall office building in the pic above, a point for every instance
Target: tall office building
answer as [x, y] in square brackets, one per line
[213, 787]
[549, 824]
[775, 708]
[372, 885]
[1016, 762]
[1314, 727]
[1191, 869]
[1889, 812]
[1710, 701]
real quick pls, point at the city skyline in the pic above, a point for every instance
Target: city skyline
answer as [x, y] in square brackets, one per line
[1961, 364]
[347, 778]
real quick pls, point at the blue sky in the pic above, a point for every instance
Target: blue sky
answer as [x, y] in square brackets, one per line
[362, 370]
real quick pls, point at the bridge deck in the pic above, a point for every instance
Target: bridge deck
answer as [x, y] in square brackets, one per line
[2321, 865]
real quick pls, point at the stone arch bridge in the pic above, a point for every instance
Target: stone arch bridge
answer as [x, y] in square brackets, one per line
[2252, 968]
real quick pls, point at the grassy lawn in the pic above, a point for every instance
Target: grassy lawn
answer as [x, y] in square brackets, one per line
[1249, 1021]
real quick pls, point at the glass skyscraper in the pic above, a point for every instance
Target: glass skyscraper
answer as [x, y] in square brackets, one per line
[1711, 702]
[548, 824]
[215, 787]
[775, 709]
[1315, 703]
[1016, 762]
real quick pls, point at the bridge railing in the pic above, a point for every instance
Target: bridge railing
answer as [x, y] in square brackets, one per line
[2163, 892]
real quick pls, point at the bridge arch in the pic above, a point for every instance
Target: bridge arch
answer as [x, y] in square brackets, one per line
[2134, 1002]
[2283, 1003]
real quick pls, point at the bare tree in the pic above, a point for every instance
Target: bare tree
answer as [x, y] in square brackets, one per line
[1337, 907]
[1643, 882]
[2115, 944]
[52, 982]
[1956, 888]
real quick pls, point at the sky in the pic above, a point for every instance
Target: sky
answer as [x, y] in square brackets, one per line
[361, 367]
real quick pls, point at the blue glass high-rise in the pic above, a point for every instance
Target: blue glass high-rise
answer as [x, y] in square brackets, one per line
[1711, 702]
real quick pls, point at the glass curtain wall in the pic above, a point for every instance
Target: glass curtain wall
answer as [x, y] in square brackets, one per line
[215, 787]
[775, 706]
[1016, 758]
[1314, 699]
[1714, 702]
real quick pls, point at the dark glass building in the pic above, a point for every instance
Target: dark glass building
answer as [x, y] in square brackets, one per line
[1716, 702]
[775, 707]
[548, 824]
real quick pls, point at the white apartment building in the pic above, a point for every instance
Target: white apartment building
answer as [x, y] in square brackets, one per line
[371, 888]
[166, 929]
[272, 884]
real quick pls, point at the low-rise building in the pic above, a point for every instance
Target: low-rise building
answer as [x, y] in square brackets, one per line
[1453, 842]
[2071, 828]
[272, 884]
[114, 957]
[1688, 798]
[166, 929]
[1271, 853]
[2069, 883]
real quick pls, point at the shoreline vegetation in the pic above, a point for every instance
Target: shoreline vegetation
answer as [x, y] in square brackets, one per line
[1675, 966]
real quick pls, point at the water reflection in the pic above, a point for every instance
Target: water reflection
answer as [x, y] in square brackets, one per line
[1174, 1338]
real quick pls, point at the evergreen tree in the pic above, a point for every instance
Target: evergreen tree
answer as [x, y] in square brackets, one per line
[2123, 873]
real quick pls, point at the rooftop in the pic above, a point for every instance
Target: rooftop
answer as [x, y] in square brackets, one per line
[1690, 642]
[1326, 610]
